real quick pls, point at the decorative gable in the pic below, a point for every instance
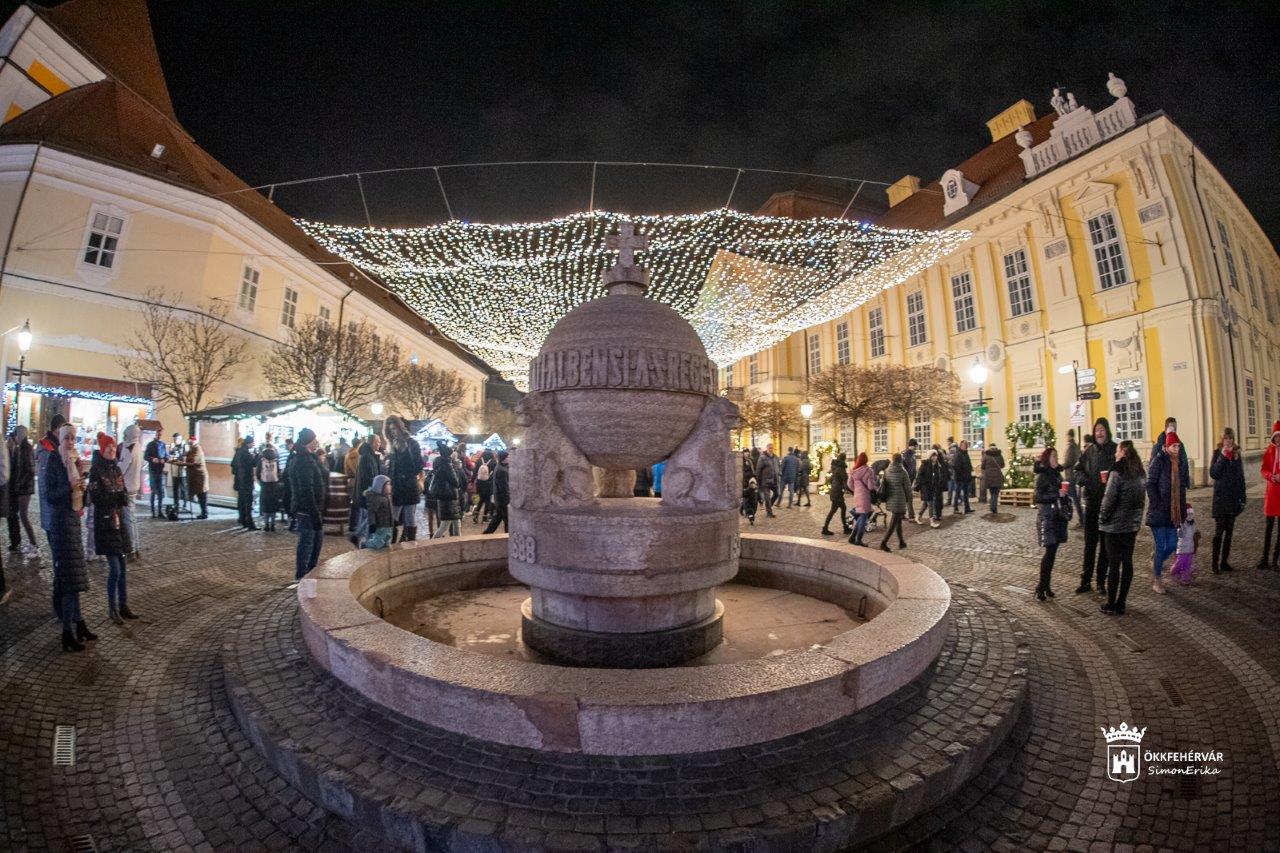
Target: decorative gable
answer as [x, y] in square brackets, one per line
[957, 191]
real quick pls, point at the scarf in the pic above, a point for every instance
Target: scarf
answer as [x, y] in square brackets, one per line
[1175, 490]
[71, 461]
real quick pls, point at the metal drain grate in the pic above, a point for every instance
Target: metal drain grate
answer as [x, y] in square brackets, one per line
[83, 844]
[1189, 787]
[1171, 689]
[64, 746]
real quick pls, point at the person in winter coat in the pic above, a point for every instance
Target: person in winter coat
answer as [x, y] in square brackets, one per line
[838, 486]
[288, 487]
[46, 447]
[22, 485]
[1120, 519]
[993, 476]
[156, 454]
[962, 474]
[897, 497]
[366, 471]
[404, 467]
[1070, 459]
[790, 468]
[309, 487]
[910, 466]
[1096, 459]
[64, 491]
[271, 498]
[445, 485]
[483, 478]
[377, 509]
[197, 476]
[1227, 473]
[501, 494]
[931, 483]
[242, 465]
[351, 467]
[1053, 514]
[109, 496]
[863, 483]
[4, 508]
[804, 470]
[1271, 498]
[129, 458]
[1167, 481]
[768, 479]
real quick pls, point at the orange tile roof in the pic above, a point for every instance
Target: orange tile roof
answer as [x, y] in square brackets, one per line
[996, 169]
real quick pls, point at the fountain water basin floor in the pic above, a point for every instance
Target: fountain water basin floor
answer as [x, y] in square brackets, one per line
[758, 622]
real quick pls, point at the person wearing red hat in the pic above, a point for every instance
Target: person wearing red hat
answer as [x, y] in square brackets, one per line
[110, 495]
[1167, 481]
[1271, 501]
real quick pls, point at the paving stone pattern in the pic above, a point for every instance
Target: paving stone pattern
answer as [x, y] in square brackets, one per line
[162, 764]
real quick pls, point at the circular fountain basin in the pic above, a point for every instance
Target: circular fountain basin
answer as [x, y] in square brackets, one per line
[527, 703]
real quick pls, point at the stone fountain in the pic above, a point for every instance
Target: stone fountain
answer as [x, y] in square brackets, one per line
[622, 707]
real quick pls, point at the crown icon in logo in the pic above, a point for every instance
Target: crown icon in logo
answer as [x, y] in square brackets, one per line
[1124, 733]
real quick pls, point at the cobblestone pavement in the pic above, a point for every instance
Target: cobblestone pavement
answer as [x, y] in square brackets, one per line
[160, 763]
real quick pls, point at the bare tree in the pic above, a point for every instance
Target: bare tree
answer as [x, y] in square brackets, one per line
[778, 418]
[353, 366]
[850, 394]
[425, 391]
[930, 393]
[182, 353]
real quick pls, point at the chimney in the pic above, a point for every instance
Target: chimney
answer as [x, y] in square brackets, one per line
[1014, 117]
[903, 188]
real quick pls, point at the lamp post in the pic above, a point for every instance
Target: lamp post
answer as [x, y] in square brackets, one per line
[24, 344]
[806, 412]
[376, 407]
[978, 374]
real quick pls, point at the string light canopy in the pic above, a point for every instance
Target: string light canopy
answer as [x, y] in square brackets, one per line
[745, 282]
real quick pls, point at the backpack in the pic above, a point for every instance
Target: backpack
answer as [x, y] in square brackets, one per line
[270, 471]
[482, 473]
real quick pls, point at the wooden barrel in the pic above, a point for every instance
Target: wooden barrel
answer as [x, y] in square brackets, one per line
[338, 507]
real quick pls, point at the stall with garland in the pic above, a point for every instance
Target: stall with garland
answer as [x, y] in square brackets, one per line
[91, 409]
[222, 428]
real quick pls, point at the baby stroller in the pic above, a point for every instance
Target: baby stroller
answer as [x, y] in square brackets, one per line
[877, 516]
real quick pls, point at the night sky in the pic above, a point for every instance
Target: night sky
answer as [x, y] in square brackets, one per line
[292, 90]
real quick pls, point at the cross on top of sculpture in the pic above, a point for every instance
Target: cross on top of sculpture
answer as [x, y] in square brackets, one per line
[627, 241]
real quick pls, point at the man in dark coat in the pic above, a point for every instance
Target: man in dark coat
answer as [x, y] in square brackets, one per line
[309, 485]
[22, 485]
[242, 465]
[1096, 458]
[909, 464]
[366, 469]
[501, 494]
[790, 468]
[838, 486]
[963, 477]
[768, 477]
[156, 454]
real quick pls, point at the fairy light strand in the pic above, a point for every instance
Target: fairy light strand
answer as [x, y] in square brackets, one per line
[745, 282]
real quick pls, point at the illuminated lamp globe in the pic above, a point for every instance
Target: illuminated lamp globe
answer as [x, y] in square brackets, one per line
[806, 410]
[24, 337]
[978, 373]
[376, 408]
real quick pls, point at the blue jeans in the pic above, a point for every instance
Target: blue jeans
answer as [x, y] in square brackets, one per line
[1166, 544]
[860, 524]
[961, 495]
[117, 582]
[994, 495]
[157, 492]
[1073, 492]
[310, 541]
[362, 525]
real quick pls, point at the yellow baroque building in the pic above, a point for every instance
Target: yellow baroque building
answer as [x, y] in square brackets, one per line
[105, 198]
[1103, 241]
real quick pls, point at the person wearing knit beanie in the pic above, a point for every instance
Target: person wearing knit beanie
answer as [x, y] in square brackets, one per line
[1167, 481]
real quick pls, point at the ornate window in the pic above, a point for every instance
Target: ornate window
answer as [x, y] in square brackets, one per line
[1031, 409]
[875, 329]
[1129, 405]
[1266, 406]
[1108, 254]
[842, 343]
[962, 298]
[289, 309]
[248, 289]
[880, 437]
[922, 430]
[1248, 272]
[916, 334]
[815, 353]
[324, 314]
[846, 436]
[1251, 405]
[1017, 275]
[1225, 240]
[104, 240]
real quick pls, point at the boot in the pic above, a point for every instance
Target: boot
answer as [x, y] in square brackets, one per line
[826, 532]
[127, 613]
[410, 533]
[83, 632]
[114, 616]
[69, 643]
[1217, 551]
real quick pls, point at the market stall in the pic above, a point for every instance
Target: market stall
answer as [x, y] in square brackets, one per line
[222, 428]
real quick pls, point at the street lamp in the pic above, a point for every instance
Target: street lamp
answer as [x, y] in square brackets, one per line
[376, 407]
[806, 412]
[24, 344]
[978, 375]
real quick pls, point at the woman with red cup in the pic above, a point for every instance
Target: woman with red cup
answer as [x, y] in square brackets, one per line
[1051, 497]
[1271, 500]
